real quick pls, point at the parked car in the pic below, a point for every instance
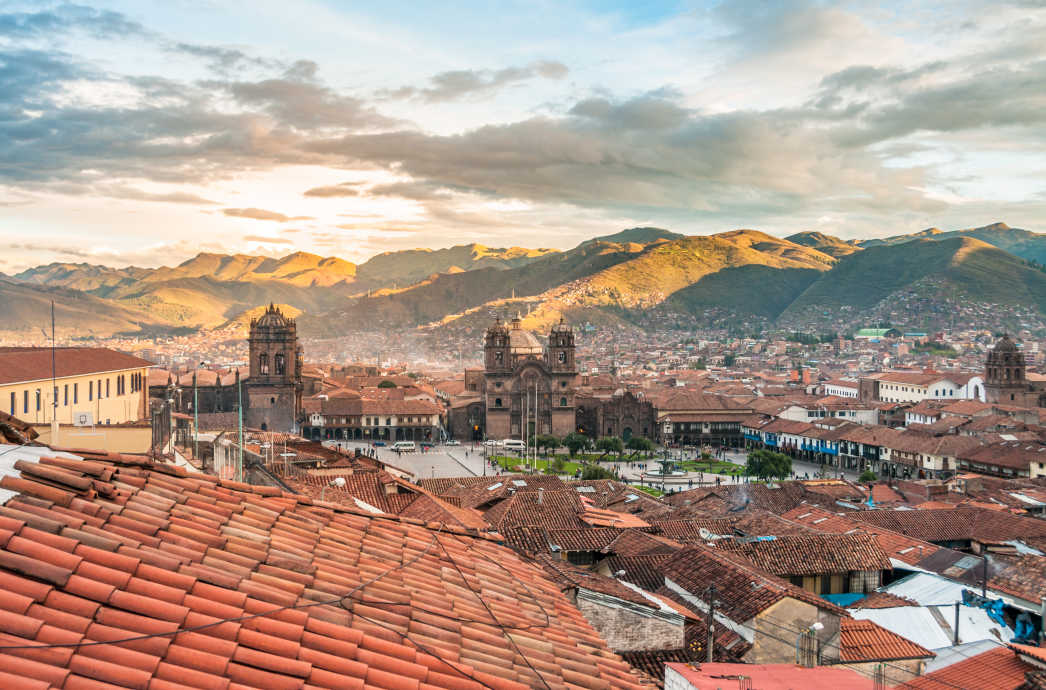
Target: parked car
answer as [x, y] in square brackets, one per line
[452, 442]
[379, 443]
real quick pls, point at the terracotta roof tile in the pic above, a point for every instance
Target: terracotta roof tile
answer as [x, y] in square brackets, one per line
[149, 554]
[863, 640]
[997, 668]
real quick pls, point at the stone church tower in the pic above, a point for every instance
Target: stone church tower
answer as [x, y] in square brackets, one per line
[1005, 378]
[274, 387]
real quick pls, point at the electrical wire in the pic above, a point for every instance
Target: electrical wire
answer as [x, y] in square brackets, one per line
[799, 631]
[504, 632]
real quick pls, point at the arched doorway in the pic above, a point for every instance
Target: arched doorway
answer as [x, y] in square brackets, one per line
[626, 433]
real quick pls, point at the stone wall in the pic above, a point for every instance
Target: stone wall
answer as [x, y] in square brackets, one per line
[627, 627]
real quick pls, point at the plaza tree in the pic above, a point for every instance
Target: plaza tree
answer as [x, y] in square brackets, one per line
[576, 442]
[610, 444]
[546, 442]
[768, 464]
[640, 445]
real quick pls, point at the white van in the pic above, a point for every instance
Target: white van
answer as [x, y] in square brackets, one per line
[514, 444]
[404, 446]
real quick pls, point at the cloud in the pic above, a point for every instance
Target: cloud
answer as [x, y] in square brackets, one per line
[343, 189]
[261, 214]
[68, 17]
[120, 192]
[459, 84]
[298, 100]
[267, 240]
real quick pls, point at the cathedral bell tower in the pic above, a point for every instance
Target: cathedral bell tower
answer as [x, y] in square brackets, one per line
[274, 351]
[1004, 375]
[273, 398]
[496, 349]
[560, 352]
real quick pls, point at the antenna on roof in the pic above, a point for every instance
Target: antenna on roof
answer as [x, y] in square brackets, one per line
[54, 385]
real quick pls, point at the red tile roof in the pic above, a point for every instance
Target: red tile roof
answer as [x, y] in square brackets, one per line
[863, 640]
[772, 677]
[997, 669]
[239, 586]
[19, 364]
[742, 589]
[812, 554]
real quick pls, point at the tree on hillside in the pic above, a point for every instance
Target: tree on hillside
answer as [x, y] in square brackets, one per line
[610, 444]
[576, 442]
[729, 359]
[387, 384]
[767, 464]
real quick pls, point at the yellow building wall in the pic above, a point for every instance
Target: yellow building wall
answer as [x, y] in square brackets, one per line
[122, 438]
[105, 408]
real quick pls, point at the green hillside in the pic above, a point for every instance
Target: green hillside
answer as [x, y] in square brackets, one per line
[403, 268]
[969, 267]
[27, 308]
[644, 235]
[826, 244]
[1022, 243]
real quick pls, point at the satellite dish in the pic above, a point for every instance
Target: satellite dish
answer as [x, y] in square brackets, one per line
[705, 534]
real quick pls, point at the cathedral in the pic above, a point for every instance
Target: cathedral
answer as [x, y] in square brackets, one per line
[526, 389]
[1006, 378]
[271, 392]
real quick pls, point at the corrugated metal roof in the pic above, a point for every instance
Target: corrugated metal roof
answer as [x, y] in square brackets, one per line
[931, 626]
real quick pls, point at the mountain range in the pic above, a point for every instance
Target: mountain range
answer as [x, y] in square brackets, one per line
[629, 274]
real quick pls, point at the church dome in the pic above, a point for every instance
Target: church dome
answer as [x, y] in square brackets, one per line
[272, 318]
[562, 326]
[523, 342]
[1005, 345]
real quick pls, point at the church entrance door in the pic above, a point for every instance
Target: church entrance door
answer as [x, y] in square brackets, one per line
[626, 433]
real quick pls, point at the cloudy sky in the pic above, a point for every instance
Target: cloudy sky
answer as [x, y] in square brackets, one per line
[142, 133]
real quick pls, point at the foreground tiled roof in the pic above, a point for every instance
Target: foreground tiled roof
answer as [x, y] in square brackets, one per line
[997, 669]
[236, 586]
[863, 640]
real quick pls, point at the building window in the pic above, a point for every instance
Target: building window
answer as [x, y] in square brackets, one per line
[263, 364]
[76, 393]
[497, 402]
[562, 384]
[12, 403]
[37, 399]
[25, 402]
[279, 364]
[90, 390]
[562, 402]
[107, 387]
[562, 357]
[54, 400]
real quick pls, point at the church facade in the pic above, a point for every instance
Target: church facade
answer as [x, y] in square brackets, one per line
[1006, 378]
[524, 389]
[527, 389]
